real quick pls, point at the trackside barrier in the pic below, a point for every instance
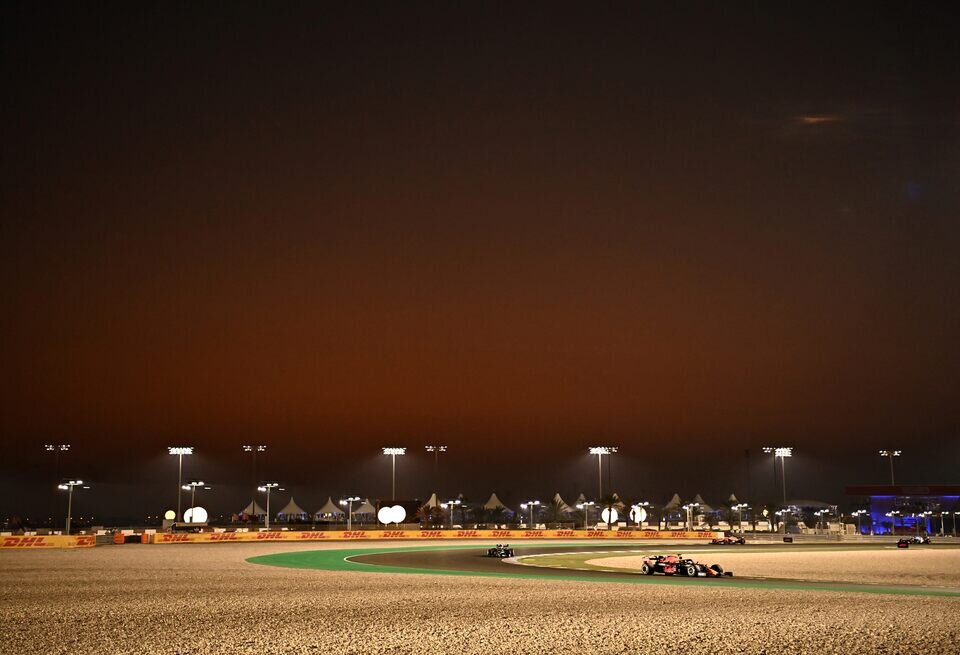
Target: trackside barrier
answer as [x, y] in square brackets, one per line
[49, 541]
[371, 535]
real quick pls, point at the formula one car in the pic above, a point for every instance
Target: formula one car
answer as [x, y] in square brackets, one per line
[501, 551]
[906, 541]
[678, 565]
[728, 541]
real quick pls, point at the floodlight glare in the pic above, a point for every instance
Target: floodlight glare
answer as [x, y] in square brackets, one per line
[602, 450]
[180, 450]
[890, 453]
[254, 449]
[439, 449]
[394, 451]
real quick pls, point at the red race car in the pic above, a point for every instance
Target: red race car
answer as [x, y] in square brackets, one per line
[678, 565]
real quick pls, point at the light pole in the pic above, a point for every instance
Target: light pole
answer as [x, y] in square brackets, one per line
[268, 486]
[859, 513]
[531, 504]
[740, 507]
[600, 451]
[192, 488]
[955, 523]
[253, 449]
[68, 487]
[349, 503]
[782, 452]
[56, 449]
[585, 506]
[436, 450]
[890, 454]
[179, 451]
[451, 504]
[689, 507]
[393, 451]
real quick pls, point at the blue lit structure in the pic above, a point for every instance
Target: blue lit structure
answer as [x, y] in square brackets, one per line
[909, 509]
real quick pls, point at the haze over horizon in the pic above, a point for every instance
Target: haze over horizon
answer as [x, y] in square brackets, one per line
[516, 231]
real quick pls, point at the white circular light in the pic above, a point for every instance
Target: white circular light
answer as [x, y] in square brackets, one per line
[394, 514]
[195, 515]
[638, 514]
[169, 515]
[609, 515]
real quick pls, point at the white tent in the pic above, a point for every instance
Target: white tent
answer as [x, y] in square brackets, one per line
[617, 503]
[494, 503]
[561, 505]
[329, 510]
[365, 508]
[432, 502]
[253, 509]
[292, 511]
[704, 508]
[732, 500]
[581, 499]
[674, 504]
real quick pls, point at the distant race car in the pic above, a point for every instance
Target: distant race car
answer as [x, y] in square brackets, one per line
[501, 551]
[906, 541]
[678, 565]
[728, 541]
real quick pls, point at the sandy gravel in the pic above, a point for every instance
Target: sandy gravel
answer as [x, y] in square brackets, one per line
[934, 567]
[207, 599]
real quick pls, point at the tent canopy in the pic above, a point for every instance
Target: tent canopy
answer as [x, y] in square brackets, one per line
[432, 501]
[674, 503]
[561, 505]
[365, 508]
[494, 503]
[329, 508]
[253, 509]
[704, 507]
[292, 509]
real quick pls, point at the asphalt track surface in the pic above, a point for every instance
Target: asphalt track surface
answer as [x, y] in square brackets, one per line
[471, 560]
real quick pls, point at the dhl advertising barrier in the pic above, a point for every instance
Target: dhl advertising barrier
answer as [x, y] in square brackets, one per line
[372, 535]
[49, 541]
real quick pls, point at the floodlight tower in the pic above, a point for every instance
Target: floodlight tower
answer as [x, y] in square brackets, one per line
[56, 449]
[393, 451]
[782, 452]
[253, 449]
[890, 454]
[68, 487]
[268, 487]
[179, 451]
[436, 450]
[600, 451]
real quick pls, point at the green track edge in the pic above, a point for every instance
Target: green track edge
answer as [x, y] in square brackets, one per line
[338, 560]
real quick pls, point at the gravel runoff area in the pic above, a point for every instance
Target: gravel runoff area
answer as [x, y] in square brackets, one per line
[931, 567]
[208, 599]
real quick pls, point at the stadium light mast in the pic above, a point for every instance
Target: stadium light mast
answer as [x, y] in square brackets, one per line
[600, 451]
[179, 451]
[890, 454]
[253, 449]
[436, 450]
[782, 452]
[56, 449]
[393, 451]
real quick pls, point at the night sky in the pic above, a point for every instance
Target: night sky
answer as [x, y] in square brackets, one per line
[686, 230]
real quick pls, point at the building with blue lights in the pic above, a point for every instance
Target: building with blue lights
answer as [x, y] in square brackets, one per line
[909, 509]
